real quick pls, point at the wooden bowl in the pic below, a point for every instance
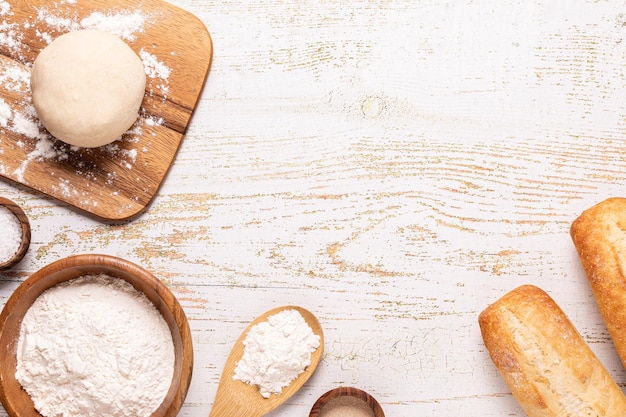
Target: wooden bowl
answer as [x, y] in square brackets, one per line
[333, 395]
[15, 399]
[25, 243]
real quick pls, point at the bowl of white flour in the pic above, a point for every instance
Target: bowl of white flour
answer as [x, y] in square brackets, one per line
[15, 227]
[94, 335]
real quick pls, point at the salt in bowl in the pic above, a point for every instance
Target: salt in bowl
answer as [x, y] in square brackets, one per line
[22, 248]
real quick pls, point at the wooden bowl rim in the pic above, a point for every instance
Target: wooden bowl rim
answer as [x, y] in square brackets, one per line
[14, 208]
[346, 392]
[73, 267]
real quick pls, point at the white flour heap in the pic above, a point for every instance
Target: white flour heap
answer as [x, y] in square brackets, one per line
[12, 234]
[276, 352]
[95, 346]
[4, 7]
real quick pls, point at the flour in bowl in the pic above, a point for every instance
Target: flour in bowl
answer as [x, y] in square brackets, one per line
[12, 231]
[95, 346]
[276, 351]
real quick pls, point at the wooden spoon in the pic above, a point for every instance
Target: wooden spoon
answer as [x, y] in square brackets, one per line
[235, 398]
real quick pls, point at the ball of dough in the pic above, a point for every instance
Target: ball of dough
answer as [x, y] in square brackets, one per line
[87, 87]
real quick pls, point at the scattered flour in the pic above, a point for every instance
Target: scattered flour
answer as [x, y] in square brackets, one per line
[125, 24]
[11, 38]
[154, 67]
[276, 351]
[157, 70]
[15, 78]
[23, 125]
[95, 346]
[57, 23]
[5, 113]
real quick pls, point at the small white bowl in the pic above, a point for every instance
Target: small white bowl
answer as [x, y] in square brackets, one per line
[25, 242]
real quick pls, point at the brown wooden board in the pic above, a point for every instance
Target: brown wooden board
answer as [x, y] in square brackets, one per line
[116, 181]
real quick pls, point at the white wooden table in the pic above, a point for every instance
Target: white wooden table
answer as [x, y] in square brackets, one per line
[392, 166]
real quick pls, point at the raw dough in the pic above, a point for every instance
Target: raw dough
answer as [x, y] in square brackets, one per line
[88, 87]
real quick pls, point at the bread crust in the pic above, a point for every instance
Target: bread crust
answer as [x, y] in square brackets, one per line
[599, 235]
[548, 367]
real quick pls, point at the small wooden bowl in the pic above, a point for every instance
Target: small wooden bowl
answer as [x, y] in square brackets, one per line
[15, 399]
[25, 243]
[333, 394]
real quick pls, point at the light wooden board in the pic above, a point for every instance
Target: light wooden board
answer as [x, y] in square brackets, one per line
[116, 181]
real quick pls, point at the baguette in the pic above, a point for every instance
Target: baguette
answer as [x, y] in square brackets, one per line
[599, 235]
[549, 369]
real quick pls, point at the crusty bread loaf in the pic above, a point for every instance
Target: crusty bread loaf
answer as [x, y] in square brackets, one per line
[548, 367]
[599, 235]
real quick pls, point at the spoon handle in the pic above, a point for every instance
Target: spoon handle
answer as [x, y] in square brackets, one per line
[232, 409]
[235, 398]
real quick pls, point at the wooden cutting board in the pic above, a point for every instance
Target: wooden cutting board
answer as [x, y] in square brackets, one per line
[117, 181]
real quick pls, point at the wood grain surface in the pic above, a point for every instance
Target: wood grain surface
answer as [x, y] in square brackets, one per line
[391, 166]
